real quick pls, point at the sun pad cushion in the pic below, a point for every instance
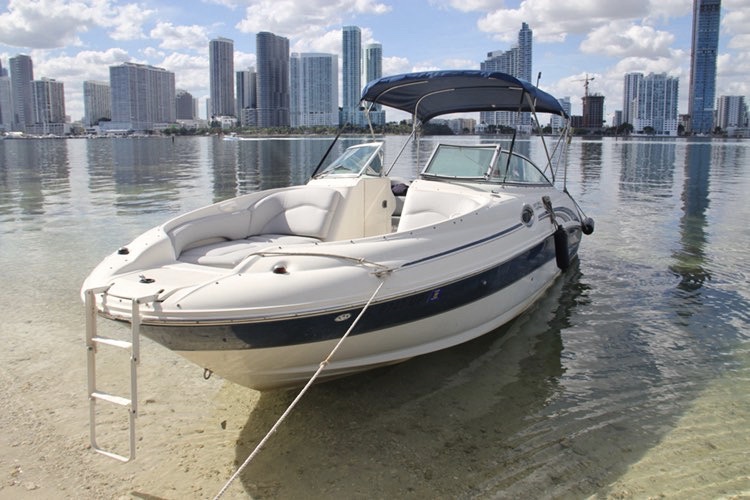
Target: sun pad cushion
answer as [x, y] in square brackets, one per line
[230, 253]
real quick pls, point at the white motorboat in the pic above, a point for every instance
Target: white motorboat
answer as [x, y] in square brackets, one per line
[259, 288]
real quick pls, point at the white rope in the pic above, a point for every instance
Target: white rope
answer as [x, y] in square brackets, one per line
[323, 365]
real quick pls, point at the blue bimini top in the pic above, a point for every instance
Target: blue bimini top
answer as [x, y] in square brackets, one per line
[429, 94]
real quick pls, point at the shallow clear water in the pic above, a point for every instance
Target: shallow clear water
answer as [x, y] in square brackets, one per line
[563, 402]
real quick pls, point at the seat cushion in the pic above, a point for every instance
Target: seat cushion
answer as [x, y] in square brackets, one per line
[304, 212]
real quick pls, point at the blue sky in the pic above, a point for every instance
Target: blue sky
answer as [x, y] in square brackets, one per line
[76, 40]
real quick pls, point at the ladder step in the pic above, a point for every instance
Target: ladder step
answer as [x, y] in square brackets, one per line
[113, 342]
[118, 400]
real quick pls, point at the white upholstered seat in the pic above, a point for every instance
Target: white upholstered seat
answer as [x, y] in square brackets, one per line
[287, 217]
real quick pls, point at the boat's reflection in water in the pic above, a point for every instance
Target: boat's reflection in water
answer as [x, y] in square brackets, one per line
[449, 424]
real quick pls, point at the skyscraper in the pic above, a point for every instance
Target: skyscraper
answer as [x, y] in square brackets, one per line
[655, 104]
[221, 67]
[516, 62]
[142, 96]
[732, 112]
[314, 90]
[629, 94]
[273, 80]
[21, 76]
[702, 92]
[48, 107]
[6, 101]
[373, 71]
[556, 121]
[247, 97]
[373, 62]
[593, 111]
[184, 105]
[351, 74]
[97, 102]
[525, 39]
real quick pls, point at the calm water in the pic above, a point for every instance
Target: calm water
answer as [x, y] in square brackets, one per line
[560, 403]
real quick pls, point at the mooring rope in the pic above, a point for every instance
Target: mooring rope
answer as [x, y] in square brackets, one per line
[323, 365]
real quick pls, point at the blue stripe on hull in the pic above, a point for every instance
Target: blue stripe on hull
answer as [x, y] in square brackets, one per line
[294, 331]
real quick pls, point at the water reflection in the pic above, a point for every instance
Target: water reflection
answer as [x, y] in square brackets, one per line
[144, 175]
[647, 170]
[590, 162]
[32, 174]
[690, 258]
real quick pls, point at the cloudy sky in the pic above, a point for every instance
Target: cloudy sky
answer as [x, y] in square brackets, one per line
[76, 40]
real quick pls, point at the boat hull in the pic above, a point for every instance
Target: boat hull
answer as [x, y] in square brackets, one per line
[287, 352]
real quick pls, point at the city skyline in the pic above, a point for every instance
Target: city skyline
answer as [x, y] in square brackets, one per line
[569, 41]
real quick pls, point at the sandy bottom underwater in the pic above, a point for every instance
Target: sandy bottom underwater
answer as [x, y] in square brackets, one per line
[352, 438]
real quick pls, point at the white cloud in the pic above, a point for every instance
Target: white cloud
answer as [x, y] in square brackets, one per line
[736, 24]
[180, 37]
[554, 20]
[621, 38]
[243, 61]
[43, 24]
[46, 24]
[84, 65]
[317, 40]
[293, 18]
[127, 21]
[191, 71]
[470, 5]
[395, 65]
[663, 9]
[670, 65]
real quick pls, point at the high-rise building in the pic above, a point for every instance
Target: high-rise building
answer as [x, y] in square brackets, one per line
[373, 62]
[21, 76]
[557, 122]
[143, 97]
[273, 79]
[654, 105]
[373, 71]
[525, 41]
[314, 90]
[184, 105]
[6, 101]
[97, 102]
[221, 67]
[593, 111]
[516, 62]
[732, 112]
[247, 97]
[48, 106]
[702, 92]
[629, 93]
[351, 75]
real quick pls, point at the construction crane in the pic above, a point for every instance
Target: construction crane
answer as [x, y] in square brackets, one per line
[586, 84]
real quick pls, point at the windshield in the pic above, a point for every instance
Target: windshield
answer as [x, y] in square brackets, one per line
[485, 162]
[461, 161]
[362, 159]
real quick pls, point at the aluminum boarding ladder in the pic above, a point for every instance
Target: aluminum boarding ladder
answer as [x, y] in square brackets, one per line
[92, 342]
